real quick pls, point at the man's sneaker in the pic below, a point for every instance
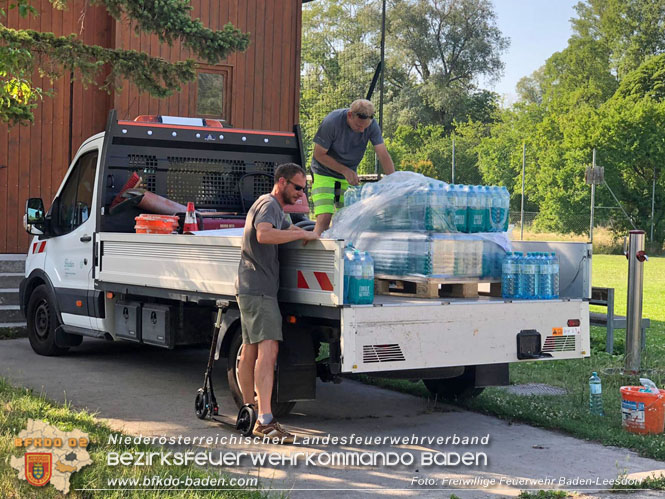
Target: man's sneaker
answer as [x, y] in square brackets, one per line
[273, 430]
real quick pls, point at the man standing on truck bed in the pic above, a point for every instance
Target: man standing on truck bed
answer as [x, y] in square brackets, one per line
[339, 146]
[257, 286]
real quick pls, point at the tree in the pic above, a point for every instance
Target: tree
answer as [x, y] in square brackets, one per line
[445, 47]
[25, 52]
[630, 30]
[436, 51]
[632, 146]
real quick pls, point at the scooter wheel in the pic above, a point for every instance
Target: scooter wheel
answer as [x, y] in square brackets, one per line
[201, 404]
[246, 420]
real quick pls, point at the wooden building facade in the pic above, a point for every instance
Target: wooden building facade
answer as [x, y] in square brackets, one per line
[258, 89]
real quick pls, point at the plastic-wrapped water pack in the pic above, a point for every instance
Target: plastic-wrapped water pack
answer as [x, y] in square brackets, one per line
[410, 225]
[441, 255]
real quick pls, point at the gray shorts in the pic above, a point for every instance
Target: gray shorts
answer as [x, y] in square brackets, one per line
[260, 318]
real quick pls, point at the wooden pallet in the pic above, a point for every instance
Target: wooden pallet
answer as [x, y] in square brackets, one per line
[433, 287]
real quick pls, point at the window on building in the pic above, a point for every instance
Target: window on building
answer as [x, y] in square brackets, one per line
[210, 95]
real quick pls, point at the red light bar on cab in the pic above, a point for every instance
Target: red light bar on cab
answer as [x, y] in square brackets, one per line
[178, 120]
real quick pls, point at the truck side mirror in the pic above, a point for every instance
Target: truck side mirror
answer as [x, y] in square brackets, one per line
[35, 216]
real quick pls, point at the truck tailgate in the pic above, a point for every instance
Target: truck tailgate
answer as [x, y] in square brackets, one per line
[400, 334]
[208, 265]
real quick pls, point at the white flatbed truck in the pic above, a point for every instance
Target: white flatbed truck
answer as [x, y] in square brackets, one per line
[89, 274]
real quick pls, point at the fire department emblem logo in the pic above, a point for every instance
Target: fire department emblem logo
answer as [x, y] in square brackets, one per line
[38, 468]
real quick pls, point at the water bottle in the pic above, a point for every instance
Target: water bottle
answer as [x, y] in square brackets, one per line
[448, 207]
[460, 200]
[348, 255]
[509, 276]
[505, 209]
[555, 275]
[486, 207]
[368, 190]
[437, 210]
[545, 283]
[352, 195]
[530, 275]
[595, 395]
[366, 288]
[474, 211]
[355, 277]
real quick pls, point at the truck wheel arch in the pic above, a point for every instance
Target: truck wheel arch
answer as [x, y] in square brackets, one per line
[227, 335]
[36, 278]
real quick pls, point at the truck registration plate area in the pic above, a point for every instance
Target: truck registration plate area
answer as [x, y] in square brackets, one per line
[414, 336]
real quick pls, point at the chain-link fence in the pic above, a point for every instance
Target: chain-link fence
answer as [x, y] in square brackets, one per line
[340, 53]
[341, 48]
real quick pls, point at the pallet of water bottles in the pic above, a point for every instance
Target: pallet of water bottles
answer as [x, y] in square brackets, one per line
[530, 276]
[432, 205]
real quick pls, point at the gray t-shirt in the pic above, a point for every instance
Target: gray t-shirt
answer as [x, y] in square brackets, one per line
[343, 144]
[258, 271]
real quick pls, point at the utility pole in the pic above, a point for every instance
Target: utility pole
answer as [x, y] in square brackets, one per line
[594, 175]
[383, 70]
[653, 205]
[452, 176]
[522, 207]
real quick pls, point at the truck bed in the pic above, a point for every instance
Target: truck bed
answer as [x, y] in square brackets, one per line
[393, 334]
[207, 267]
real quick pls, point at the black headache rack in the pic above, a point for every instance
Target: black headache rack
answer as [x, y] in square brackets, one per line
[219, 169]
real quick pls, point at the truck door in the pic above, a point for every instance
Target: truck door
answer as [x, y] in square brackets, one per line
[69, 255]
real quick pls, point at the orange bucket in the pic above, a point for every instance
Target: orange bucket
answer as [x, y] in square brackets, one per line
[642, 412]
[156, 224]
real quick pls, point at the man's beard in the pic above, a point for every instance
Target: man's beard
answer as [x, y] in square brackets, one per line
[284, 198]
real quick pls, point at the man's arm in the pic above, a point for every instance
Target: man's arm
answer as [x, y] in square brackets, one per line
[267, 234]
[384, 158]
[321, 155]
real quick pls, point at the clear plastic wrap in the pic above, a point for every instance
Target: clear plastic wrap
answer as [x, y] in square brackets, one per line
[439, 255]
[414, 225]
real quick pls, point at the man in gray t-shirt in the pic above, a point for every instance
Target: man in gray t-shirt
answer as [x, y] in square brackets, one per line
[257, 286]
[339, 146]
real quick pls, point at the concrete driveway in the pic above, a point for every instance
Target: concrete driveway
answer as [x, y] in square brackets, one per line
[150, 391]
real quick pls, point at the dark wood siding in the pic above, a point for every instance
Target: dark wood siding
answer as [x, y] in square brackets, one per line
[34, 159]
[261, 88]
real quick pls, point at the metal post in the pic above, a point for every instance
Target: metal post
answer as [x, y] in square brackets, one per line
[636, 257]
[452, 177]
[653, 205]
[383, 67]
[522, 207]
[593, 196]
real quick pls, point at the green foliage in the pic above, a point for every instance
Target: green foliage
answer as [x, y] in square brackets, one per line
[603, 91]
[647, 81]
[17, 96]
[630, 30]
[435, 53]
[22, 52]
[427, 149]
[170, 21]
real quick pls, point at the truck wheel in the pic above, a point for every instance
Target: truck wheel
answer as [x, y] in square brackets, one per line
[459, 387]
[278, 409]
[42, 323]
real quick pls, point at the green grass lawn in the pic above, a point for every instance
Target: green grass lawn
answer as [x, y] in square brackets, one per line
[17, 405]
[570, 413]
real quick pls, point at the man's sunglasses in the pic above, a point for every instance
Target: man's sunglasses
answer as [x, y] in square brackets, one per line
[296, 186]
[365, 116]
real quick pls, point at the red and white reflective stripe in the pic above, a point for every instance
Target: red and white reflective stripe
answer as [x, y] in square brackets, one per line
[308, 279]
[42, 247]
